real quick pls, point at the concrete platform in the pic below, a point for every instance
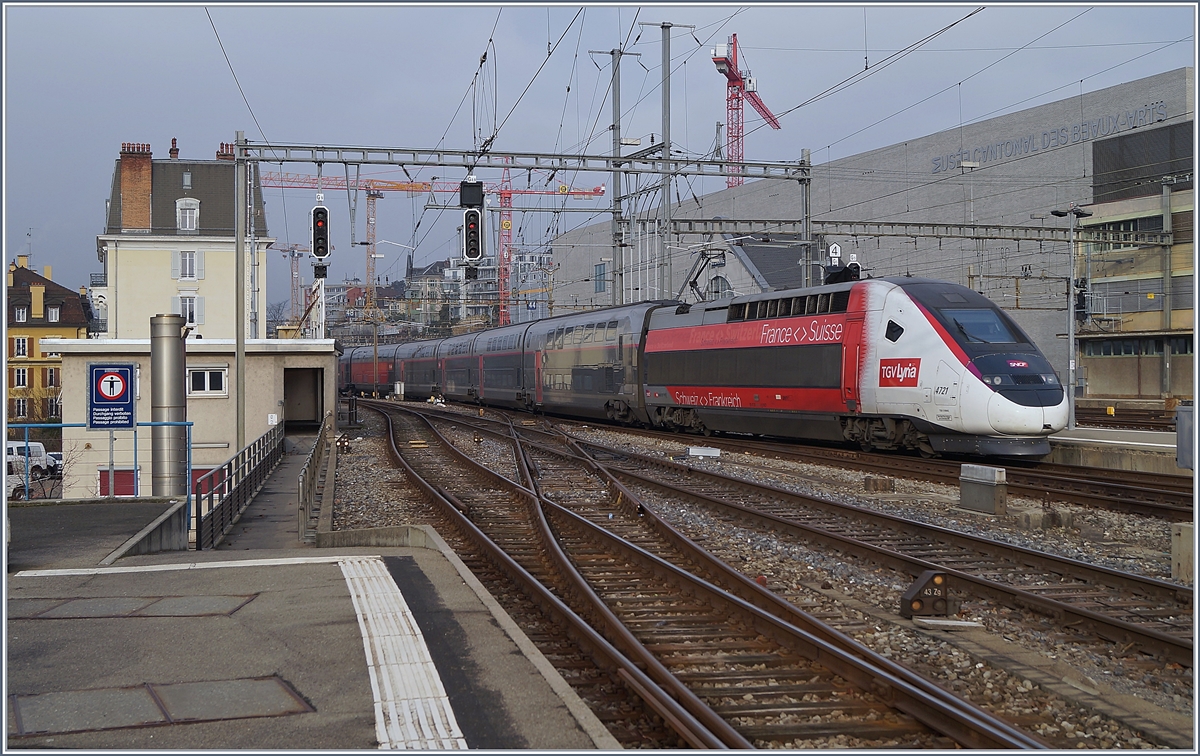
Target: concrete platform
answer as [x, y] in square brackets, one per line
[266, 644]
[1114, 449]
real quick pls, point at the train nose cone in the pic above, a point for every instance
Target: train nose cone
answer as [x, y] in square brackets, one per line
[1056, 416]
[1007, 417]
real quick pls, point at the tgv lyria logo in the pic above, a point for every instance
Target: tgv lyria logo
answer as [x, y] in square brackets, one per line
[901, 372]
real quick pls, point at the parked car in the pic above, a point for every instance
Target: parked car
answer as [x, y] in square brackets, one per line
[39, 465]
[54, 464]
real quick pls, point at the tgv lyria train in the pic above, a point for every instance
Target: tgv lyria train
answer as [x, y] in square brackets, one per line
[889, 363]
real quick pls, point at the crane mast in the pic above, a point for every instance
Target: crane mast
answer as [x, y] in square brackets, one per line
[739, 88]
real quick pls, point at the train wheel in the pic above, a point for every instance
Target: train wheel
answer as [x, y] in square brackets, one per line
[866, 445]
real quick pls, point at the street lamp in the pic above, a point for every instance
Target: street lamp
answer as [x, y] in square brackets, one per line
[1075, 213]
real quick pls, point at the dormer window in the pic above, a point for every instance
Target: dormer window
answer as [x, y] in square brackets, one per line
[187, 215]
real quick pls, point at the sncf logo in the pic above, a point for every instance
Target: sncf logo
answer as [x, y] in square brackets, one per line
[1018, 364]
[902, 372]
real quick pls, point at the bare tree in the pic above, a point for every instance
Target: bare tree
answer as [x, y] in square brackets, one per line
[276, 315]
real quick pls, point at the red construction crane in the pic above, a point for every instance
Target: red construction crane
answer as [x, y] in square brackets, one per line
[376, 187]
[741, 86]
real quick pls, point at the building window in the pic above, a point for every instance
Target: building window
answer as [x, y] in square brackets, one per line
[52, 313]
[187, 179]
[51, 377]
[20, 408]
[187, 215]
[21, 378]
[599, 278]
[20, 346]
[20, 314]
[187, 308]
[187, 265]
[207, 381]
[54, 406]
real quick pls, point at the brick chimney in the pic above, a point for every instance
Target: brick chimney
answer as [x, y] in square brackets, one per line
[174, 152]
[226, 151]
[46, 273]
[135, 187]
[22, 261]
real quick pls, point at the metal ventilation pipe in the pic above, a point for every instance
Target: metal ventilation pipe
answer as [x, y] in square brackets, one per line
[168, 403]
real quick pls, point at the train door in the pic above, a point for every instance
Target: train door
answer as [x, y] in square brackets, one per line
[853, 354]
[945, 393]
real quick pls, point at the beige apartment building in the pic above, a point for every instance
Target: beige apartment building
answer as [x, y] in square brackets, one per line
[168, 247]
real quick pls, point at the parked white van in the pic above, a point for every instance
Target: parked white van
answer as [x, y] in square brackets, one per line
[38, 461]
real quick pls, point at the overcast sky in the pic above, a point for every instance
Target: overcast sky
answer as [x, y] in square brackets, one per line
[81, 80]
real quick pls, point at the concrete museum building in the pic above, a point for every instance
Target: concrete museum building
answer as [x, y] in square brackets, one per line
[1124, 154]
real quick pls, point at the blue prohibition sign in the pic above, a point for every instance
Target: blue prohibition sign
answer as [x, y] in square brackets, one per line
[111, 398]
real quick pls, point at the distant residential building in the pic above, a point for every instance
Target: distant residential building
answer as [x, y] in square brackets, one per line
[168, 247]
[39, 314]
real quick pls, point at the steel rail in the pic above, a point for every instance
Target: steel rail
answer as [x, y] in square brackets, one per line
[1171, 647]
[899, 687]
[1141, 494]
[971, 726]
[675, 712]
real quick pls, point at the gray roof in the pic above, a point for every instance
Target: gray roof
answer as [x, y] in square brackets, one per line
[775, 260]
[212, 184]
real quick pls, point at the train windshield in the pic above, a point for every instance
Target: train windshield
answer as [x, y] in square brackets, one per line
[978, 326]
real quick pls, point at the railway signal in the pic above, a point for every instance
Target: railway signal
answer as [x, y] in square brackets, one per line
[472, 236]
[320, 232]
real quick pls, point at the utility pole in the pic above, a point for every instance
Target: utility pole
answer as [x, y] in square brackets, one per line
[239, 232]
[1075, 212]
[618, 242]
[664, 265]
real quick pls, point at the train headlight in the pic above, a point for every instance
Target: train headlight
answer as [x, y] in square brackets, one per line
[995, 380]
[1050, 380]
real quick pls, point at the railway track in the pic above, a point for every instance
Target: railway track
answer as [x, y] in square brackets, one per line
[1154, 615]
[1126, 419]
[741, 672]
[1148, 614]
[1154, 495]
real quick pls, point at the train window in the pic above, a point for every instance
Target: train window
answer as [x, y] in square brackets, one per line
[587, 332]
[772, 308]
[822, 304]
[798, 306]
[558, 339]
[982, 326]
[1106, 348]
[894, 330]
[1181, 345]
[762, 311]
[611, 333]
[840, 301]
[810, 304]
[736, 312]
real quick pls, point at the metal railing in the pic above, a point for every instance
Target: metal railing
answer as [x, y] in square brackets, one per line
[310, 474]
[110, 480]
[223, 493]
